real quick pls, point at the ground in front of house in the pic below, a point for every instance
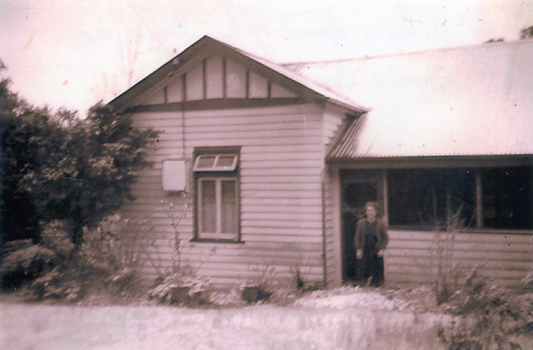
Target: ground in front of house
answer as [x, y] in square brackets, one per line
[343, 318]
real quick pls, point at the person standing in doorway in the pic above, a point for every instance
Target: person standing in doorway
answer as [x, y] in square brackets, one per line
[370, 242]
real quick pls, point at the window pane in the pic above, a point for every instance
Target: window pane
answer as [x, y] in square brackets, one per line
[229, 207]
[208, 217]
[225, 161]
[508, 198]
[430, 197]
[205, 162]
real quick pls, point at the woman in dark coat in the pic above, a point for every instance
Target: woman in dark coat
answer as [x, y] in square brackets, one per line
[370, 241]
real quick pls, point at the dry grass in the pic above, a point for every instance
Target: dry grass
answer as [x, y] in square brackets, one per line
[26, 326]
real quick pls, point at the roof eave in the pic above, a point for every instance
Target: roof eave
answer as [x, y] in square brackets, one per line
[435, 161]
[121, 102]
[356, 110]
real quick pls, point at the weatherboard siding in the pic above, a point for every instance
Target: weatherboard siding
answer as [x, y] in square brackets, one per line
[329, 232]
[412, 257]
[333, 121]
[280, 169]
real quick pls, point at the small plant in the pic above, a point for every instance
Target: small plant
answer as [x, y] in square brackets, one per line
[178, 282]
[527, 282]
[176, 213]
[263, 276]
[446, 280]
[166, 290]
[491, 317]
[299, 282]
[185, 277]
[258, 287]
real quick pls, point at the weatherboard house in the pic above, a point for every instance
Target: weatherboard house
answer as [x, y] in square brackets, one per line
[275, 161]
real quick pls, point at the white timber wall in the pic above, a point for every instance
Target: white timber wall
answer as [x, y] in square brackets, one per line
[413, 258]
[281, 169]
[333, 121]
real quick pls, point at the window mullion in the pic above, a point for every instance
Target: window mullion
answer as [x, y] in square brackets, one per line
[385, 178]
[479, 200]
[200, 207]
[218, 197]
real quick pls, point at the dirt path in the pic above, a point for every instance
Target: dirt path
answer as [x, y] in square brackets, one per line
[32, 326]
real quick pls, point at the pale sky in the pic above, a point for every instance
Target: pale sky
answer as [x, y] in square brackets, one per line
[73, 53]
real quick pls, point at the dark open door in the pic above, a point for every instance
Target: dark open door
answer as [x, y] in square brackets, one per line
[354, 197]
[357, 186]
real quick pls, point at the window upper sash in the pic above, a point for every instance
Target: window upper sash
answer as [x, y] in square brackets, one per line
[216, 162]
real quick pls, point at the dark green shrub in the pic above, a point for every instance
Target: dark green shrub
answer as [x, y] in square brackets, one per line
[106, 262]
[25, 261]
[25, 264]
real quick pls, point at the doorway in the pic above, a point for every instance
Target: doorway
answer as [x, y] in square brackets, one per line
[357, 188]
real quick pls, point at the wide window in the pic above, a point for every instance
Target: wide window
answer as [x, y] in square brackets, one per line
[490, 197]
[217, 202]
[508, 197]
[420, 197]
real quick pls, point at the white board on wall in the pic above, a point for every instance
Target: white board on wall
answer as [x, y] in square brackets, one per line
[174, 175]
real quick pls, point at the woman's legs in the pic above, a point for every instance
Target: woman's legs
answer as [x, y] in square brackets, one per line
[372, 267]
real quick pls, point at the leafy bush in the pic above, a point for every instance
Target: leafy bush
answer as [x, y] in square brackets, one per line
[106, 262]
[56, 238]
[113, 244]
[60, 283]
[491, 317]
[28, 261]
[60, 167]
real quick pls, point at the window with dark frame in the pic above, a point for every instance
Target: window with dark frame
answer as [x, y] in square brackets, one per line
[217, 189]
[427, 198]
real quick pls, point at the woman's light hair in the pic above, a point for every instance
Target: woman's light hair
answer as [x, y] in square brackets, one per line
[372, 204]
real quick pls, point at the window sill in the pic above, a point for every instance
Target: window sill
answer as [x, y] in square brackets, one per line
[214, 240]
[466, 230]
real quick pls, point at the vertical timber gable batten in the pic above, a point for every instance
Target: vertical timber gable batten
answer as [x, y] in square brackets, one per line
[175, 90]
[194, 83]
[216, 78]
[258, 86]
[235, 80]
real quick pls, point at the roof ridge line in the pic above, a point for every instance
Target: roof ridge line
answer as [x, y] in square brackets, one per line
[417, 52]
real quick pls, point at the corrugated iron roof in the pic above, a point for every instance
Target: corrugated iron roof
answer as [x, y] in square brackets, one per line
[465, 101]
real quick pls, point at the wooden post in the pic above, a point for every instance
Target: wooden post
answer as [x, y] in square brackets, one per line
[335, 276]
[435, 210]
[204, 79]
[479, 200]
[385, 197]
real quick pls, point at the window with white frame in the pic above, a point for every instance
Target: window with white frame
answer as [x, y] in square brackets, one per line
[217, 188]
